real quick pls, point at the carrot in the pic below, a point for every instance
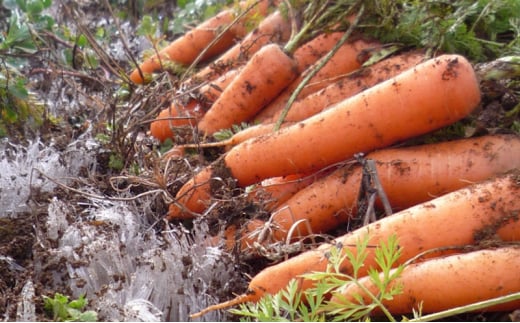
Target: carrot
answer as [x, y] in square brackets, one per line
[408, 176]
[174, 117]
[252, 90]
[178, 115]
[458, 218]
[208, 93]
[264, 76]
[275, 28]
[310, 52]
[364, 122]
[274, 191]
[185, 49]
[348, 58]
[239, 137]
[327, 97]
[316, 48]
[447, 282]
[197, 200]
[434, 94]
[348, 86]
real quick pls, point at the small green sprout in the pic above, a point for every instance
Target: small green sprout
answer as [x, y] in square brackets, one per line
[60, 308]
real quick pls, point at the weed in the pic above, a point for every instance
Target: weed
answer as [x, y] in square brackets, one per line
[60, 308]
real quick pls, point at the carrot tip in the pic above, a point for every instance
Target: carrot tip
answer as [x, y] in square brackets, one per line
[235, 301]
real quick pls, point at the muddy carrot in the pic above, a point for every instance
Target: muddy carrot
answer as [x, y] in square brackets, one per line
[209, 92]
[175, 117]
[408, 176]
[185, 49]
[275, 28]
[188, 115]
[448, 282]
[403, 107]
[459, 218]
[274, 191]
[310, 52]
[264, 76]
[348, 86]
[347, 59]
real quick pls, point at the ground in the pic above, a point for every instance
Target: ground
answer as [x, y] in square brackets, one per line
[87, 222]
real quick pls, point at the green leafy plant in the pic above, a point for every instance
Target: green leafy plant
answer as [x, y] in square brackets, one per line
[60, 308]
[17, 105]
[228, 133]
[291, 304]
[481, 30]
[190, 11]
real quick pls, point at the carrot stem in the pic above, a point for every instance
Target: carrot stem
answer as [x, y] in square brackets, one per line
[318, 67]
[503, 68]
[467, 308]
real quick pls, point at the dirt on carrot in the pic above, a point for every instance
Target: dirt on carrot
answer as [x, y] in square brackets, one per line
[449, 220]
[447, 282]
[313, 144]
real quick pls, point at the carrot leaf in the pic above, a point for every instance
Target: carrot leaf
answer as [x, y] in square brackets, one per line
[292, 304]
[481, 30]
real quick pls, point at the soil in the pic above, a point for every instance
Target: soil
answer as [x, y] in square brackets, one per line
[86, 97]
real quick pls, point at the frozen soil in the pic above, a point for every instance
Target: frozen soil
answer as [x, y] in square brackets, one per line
[70, 222]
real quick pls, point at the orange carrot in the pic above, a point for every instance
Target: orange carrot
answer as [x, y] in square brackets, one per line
[264, 76]
[347, 59]
[365, 122]
[408, 176]
[316, 48]
[447, 282]
[348, 86]
[197, 199]
[310, 52]
[190, 114]
[455, 219]
[239, 137]
[335, 92]
[274, 191]
[275, 28]
[185, 49]
[176, 116]
[208, 93]
[434, 94]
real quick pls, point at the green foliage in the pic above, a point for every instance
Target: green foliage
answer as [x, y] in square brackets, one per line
[17, 105]
[60, 308]
[26, 20]
[116, 162]
[292, 304]
[147, 26]
[481, 30]
[32, 11]
[224, 134]
[191, 11]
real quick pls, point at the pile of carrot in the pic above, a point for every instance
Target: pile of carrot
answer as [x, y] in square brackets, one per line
[313, 103]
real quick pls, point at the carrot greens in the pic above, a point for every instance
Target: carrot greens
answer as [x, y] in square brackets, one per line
[481, 30]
